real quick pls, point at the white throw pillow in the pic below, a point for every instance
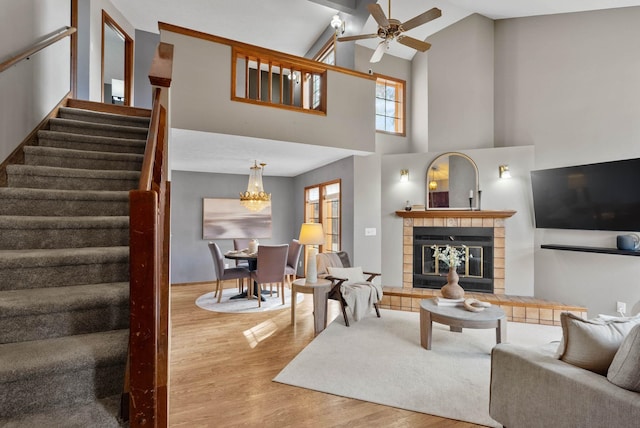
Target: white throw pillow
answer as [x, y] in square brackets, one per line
[624, 370]
[353, 274]
[592, 344]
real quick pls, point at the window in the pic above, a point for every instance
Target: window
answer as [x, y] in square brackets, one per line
[326, 55]
[323, 205]
[390, 105]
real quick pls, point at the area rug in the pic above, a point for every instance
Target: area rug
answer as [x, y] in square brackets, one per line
[244, 305]
[380, 360]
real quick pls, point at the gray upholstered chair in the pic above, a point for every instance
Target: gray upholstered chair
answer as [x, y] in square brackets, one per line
[272, 260]
[341, 287]
[291, 270]
[241, 244]
[222, 274]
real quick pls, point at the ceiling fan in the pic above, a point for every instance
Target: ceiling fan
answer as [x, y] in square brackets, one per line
[390, 29]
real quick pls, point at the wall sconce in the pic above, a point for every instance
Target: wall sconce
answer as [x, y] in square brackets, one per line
[503, 171]
[404, 175]
[337, 24]
[433, 185]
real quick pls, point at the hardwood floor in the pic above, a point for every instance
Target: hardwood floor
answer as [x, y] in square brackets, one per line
[222, 366]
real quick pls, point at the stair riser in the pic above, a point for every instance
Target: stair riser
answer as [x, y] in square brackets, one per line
[96, 147]
[35, 207]
[60, 389]
[99, 132]
[64, 323]
[69, 183]
[106, 118]
[82, 163]
[59, 276]
[23, 239]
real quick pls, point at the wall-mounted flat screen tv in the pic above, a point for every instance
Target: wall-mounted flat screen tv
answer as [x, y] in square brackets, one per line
[599, 196]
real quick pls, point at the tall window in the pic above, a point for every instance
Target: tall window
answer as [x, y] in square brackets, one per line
[323, 205]
[326, 55]
[390, 105]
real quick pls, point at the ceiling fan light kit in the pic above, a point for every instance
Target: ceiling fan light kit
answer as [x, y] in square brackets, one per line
[391, 29]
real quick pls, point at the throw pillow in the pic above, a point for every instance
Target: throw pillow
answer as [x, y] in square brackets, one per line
[592, 344]
[352, 274]
[624, 370]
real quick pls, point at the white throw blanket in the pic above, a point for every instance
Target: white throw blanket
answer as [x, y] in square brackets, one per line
[360, 297]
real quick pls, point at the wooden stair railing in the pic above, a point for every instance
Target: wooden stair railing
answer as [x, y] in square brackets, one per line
[37, 47]
[148, 369]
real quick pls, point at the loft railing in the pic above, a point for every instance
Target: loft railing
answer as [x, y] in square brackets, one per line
[37, 47]
[148, 369]
[265, 78]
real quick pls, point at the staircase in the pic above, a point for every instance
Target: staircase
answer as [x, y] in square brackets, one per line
[64, 270]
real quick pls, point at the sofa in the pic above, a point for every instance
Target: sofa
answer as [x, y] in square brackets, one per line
[537, 387]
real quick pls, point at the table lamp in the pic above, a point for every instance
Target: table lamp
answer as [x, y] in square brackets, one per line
[311, 234]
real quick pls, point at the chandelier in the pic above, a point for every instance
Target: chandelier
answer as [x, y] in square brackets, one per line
[255, 198]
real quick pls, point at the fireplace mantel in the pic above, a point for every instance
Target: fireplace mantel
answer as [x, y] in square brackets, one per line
[455, 214]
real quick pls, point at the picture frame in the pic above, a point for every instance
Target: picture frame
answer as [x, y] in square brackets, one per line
[225, 218]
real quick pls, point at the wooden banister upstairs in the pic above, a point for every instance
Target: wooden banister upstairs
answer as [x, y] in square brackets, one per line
[148, 383]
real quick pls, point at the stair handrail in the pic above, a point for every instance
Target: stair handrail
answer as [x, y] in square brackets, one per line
[38, 46]
[149, 224]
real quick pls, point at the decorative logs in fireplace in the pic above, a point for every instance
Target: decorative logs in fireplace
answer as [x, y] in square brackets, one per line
[476, 273]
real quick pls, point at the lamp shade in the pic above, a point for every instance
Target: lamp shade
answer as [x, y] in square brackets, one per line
[311, 234]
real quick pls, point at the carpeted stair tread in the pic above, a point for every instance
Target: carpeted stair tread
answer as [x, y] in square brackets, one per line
[25, 359]
[102, 117]
[103, 413]
[53, 202]
[60, 257]
[84, 159]
[36, 314]
[98, 129]
[49, 177]
[65, 140]
[22, 269]
[57, 299]
[24, 232]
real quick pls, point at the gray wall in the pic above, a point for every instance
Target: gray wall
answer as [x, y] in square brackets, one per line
[31, 89]
[568, 84]
[197, 97]
[460, 86]
[190, 257]
[144, 51]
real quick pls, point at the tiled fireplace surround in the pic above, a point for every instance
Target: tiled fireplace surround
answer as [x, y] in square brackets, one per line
[517, 308]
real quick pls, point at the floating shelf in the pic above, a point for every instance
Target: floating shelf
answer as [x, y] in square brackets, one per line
[600, 250]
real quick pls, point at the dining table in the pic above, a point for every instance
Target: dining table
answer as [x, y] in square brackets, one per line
[252, 259]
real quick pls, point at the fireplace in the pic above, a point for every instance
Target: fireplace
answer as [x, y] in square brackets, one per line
[476, 243]
[493, 221]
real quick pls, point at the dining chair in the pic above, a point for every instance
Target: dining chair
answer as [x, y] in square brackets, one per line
[223, 274]
[272, 261]
[291, 270]
[241, 244]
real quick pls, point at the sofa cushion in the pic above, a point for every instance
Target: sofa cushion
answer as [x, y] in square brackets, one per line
[624, 370]
[592, 344]
[353, 274]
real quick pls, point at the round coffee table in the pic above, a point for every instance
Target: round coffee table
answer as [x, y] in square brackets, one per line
[457, 318]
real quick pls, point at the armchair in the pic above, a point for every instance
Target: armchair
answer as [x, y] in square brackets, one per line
[352, 287]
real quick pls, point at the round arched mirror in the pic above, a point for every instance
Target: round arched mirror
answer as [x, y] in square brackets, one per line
[452, 178]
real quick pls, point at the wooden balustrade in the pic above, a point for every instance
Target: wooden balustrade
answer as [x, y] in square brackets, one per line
[149, 205]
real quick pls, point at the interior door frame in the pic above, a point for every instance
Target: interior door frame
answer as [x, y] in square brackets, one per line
[128, 58]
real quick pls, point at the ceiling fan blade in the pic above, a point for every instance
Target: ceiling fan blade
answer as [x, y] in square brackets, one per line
[378, 14]
[377, 55]
[423, 18]
[413, 43]
[358, 37]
